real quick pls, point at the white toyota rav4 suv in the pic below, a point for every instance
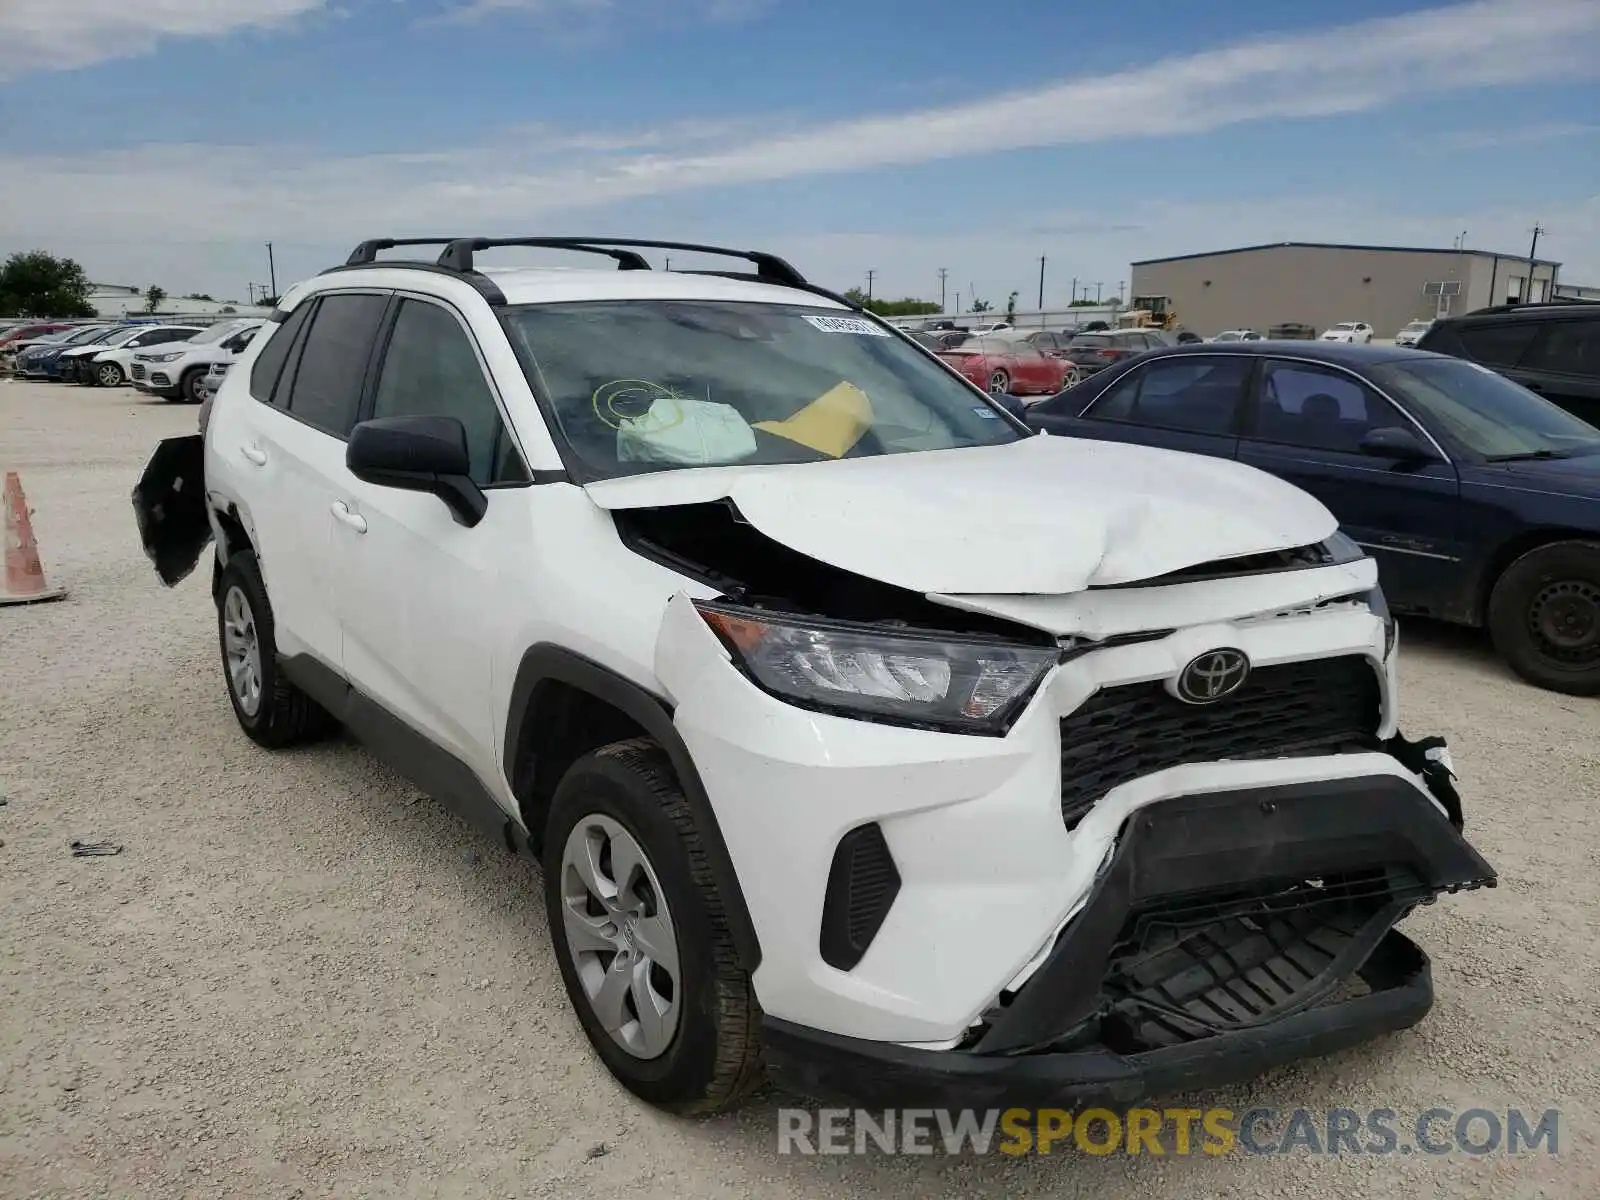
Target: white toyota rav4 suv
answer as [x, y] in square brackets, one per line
[864, 737]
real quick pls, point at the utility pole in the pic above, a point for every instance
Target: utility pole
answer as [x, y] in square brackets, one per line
[1074, 289]
[1121, 291]
[870, 273]
[272, 271]
[668, 267]
[1533, 250]
[1041, 283]
[252, 288]
[958, 300]
[1097, 288]
[942, 274]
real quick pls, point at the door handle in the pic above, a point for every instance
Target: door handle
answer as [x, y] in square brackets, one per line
[254, 454]
[356, 521]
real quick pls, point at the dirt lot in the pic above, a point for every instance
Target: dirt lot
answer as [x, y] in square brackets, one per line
[301, 979]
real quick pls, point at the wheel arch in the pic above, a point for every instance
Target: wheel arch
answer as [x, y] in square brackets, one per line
[1510, 551]
[564, 705]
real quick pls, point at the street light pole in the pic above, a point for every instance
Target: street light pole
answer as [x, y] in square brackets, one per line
[272, 271]
[1041, 283]
[1533, 250]
[870, 273]
[942, 274]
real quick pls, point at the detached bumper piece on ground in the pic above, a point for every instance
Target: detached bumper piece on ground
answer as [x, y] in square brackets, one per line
[1228, 934]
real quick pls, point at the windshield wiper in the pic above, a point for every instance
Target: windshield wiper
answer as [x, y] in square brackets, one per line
[1528, 456]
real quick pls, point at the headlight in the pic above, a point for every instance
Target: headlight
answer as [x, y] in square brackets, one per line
[163, 357]
[933, 681]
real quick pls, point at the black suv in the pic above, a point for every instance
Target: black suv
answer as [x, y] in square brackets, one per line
[1552, 349]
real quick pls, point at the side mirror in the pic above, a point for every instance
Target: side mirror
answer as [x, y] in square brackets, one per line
[418, 454]
[1395, 442]
[1012, 404]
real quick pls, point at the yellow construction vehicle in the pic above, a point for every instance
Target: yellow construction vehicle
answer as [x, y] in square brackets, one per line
[1148, 312]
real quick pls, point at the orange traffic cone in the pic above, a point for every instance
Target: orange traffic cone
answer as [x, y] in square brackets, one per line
[24, 574]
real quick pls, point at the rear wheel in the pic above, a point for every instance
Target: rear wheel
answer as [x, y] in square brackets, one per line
[271, 710]
[999, 383]
[108, 375]
[1544, 616]
[640, 934]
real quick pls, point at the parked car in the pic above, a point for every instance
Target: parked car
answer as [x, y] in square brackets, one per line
[746, 657]
[212, 380]
[1091, 352]
[1479, 500]
[175, 373]
[1552, 349]
[37, 360]
[1411, 332]
[109, 365]
[1357, 333]
[15, 338]
[1238, 335]
[1000, 364]
[1291, 331]
[984, 327]
[61, 364]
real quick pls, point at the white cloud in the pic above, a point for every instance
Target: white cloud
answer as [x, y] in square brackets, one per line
[1490, 139]
[57, 34]
[197, 196]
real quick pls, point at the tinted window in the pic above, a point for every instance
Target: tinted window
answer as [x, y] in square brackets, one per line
[1571, 348]
[431, 369]
[1304, 405]
[1501, 344]
[1196, 394]
[269, 363]
[1472, 407]
[1092, 340]
[333, 362]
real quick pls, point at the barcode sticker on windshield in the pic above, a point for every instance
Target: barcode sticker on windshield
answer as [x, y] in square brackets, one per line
[848, 325]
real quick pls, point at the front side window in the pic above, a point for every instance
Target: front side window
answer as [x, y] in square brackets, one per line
[1319, 409]
[1500, 344]
[1483, 412]
[636, 386]
[1571, 348]
[1193, 394]
[431, 370]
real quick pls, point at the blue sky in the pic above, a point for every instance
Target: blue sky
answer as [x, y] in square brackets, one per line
[165, 141]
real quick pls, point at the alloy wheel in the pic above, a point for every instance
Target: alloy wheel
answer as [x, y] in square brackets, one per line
[620, 936]
[242, 648]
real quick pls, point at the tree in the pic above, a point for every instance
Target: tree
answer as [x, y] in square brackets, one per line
[1086, 304]
[905, 307]
[228, 308]
[200, 296]
[981, 306]
[1011, 308]
[153, 296]
[38, 284]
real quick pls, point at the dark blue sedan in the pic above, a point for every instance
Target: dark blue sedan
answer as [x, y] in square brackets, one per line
[1479, 500]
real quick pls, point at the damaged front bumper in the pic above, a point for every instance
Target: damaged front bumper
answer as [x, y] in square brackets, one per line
[1228, 933]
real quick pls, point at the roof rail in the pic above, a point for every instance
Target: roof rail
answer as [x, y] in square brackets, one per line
[367, 252]
[769, 267]
[1519, 305]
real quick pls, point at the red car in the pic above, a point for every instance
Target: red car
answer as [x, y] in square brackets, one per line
[20, 333]
[1012, 365]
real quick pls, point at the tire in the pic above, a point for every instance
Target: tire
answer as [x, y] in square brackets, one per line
[1544, 617]
[999, 383]
[273, 713]
[108, 374]
[189, 385]
[711, 1058]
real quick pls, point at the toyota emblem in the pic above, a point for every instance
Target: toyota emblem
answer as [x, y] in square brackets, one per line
[1212, 676]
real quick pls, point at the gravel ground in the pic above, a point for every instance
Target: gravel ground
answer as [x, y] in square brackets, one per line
[302, 979]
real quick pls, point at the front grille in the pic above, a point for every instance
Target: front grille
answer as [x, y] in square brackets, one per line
[136, 371]
[1317, 555]
[1324, 706]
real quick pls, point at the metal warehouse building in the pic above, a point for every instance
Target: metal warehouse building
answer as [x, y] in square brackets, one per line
[1320, 284]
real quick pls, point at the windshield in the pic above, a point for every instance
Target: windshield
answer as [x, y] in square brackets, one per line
[215, 333]
[636, 386]
[1485, 412]
[1416, 325]
[1345, 325]
[1090, 339]
[77, 337]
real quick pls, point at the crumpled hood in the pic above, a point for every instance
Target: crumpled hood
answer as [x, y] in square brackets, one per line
[1044, 515]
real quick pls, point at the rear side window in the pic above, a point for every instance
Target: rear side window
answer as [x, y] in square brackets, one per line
[1499, 344]
[326, 391]
[269, 363]
[1194, 394]
[1570, 348]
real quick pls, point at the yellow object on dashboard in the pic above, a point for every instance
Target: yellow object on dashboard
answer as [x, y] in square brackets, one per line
[831, 424]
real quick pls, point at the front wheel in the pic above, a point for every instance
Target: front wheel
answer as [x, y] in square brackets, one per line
[1544, 617]
[191, 386]
[999, 383]
[640, 934]
[108, 375]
